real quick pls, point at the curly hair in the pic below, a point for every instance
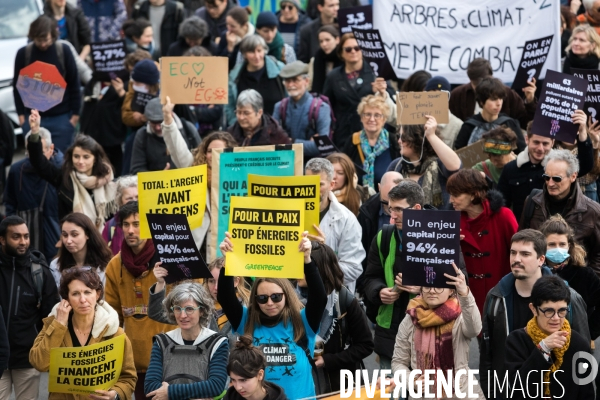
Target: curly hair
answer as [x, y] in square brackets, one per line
[189, 291]
[199, 153]
[373, 101]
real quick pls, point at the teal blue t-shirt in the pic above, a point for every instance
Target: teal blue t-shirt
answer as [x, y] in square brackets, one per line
[287, 365]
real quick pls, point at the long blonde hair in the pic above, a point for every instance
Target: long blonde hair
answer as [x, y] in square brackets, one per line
[592, 36]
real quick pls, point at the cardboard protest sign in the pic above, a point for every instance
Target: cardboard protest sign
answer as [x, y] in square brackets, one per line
[412, 107]
[562, 94]
[430, 244]
[592, 97]
[265, 237]
[41, 86]
[371, 45]
[230, 169]
[535, 53]
[295, 187]
[194, 80]
[139, 101]
[355, 18]
[83, 370]
[176, 191]
[472, 154]
[176, 248]
[443, 37]
[108, 59]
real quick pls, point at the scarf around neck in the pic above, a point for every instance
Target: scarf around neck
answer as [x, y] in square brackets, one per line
[276, 47]
[104, 191]
[430, 183]
[433, 333]
[536, 334]
[588, 62]
[330, 314]
[137, 264]
[371, 153]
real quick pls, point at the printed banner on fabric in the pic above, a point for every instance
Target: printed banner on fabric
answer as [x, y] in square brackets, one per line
[306, 188]
[178, 191]
[83, 370]
[443, 37]
[265, 237]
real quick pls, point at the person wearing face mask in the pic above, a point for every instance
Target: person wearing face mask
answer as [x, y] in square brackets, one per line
[566, 259]
[499, 145]
[145, 78]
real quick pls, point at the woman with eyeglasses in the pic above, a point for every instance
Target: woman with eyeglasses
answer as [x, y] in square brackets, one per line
[486, 229]
[278, 322]
[82, 246]
[546, 355]
[346, 188]
[373, 148]
[436, 332]
[567, 259]
[189, 362]
[346, 85]
[80, 319]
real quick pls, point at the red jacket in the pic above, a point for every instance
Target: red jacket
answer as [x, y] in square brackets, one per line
[486, 246]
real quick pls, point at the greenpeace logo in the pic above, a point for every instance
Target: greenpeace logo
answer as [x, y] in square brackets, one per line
[264, 267]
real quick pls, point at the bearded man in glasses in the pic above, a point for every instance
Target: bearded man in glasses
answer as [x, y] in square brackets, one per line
[562, 195]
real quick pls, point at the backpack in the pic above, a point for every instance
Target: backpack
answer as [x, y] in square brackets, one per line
[480, 127]
[37, 276]
[59, 53]
[313, 112]
[190, 133]
[528, 209]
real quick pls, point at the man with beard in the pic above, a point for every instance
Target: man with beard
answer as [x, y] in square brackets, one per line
[338, 227]
[27, 294]
[128, 280]
[507, 308]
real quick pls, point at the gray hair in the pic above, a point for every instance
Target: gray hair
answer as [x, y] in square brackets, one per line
[251, 42]
[125, 182]
[193, 28]
[408, 190]
[318, 165]
[189, 291]
[44, 134]
[566, 156]
[250, 97]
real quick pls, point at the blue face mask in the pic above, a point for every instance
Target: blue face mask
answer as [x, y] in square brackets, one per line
[557, 255]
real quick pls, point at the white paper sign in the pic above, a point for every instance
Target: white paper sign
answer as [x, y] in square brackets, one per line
[442, 37]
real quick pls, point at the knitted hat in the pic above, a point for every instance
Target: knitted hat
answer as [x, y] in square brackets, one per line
[266, 18]
[295, 3]
[145, 71]
[153, 111]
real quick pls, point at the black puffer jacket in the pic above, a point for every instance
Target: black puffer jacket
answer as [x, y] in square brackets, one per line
[77, 25]
[4, 346]
[19, 301]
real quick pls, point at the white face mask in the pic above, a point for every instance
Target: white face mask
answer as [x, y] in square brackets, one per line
[140, 87]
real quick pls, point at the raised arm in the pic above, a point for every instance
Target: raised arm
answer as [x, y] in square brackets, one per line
[447, 156]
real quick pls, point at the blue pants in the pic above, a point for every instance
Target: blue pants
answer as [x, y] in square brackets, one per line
[60, 128]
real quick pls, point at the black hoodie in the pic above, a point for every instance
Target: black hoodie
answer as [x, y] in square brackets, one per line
[18, 299]
[274, 392]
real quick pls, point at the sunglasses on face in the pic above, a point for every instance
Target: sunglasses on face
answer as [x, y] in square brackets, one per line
[349, 49]
[264, 298]
[556, 179]
[287, 7]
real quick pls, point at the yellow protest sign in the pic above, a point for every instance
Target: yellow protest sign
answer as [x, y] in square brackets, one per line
[194, 80]
[265, 237]
[306, 188]
[84, 370]
[178, 191]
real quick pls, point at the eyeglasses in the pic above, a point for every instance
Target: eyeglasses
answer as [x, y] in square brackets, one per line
[187, 310]
[368, 116]
[245, 113]
[350, 48]
[287, 7]
[386, 206]
[549, 312]
[264, 299]
[73, 269]
[437, 290]
[556, 179]
[399, 210]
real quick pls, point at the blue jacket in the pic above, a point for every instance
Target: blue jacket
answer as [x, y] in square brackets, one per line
[24, 191]
[303, 19]
[273, 67]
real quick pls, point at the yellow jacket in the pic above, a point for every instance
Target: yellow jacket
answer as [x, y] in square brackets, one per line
[106, 326]
[129, 296]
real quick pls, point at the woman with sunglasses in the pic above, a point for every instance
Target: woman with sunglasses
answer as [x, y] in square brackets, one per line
[82, 318]
[189, 362]
[436, 332]
[81, 246]
[278, 322]
[566, 259]
[548, 347]
[486, 229]
[347, 84]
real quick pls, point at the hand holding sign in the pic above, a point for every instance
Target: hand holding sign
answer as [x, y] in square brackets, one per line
[406, 288]
[594, 132]
[104, 395]
[168, 111]
[529, 90]
[430, 126]
[458, 281]
[579, 118]
[305, 247]
[379, 86]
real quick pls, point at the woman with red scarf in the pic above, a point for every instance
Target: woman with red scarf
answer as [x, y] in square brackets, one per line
[128, 280]
[435, 335]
